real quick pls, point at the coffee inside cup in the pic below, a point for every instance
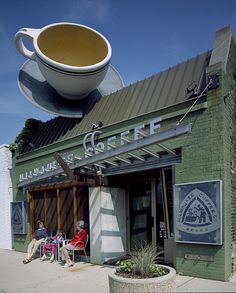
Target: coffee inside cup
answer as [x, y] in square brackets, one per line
[72, 45]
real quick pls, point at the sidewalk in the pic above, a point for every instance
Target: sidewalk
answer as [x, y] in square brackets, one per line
[41, 277]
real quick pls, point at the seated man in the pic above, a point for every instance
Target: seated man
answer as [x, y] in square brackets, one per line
[40, 235]
[78, 240]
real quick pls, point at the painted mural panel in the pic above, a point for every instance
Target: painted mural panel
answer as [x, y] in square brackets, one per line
[198, 212]
[18, 217]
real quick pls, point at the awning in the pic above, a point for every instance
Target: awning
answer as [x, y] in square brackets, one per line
[145, 153]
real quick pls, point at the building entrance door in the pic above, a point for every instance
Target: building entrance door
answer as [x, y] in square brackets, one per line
[151, 210]
[141, 220]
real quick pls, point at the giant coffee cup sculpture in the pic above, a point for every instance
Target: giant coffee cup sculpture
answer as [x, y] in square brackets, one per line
[73, 58]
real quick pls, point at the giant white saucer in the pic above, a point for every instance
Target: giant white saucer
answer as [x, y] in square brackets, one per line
[38, 92]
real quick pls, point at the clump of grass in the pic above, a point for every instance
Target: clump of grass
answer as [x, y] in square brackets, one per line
[142, 259]
[141, 263]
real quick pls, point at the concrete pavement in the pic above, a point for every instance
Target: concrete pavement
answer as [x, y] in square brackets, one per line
[38, 277]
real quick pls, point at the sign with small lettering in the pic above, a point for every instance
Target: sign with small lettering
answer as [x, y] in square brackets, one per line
[90, 147]
[198, 212]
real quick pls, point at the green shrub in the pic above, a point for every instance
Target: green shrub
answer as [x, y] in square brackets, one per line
[13, 147]
[125, 266]
[27, 133]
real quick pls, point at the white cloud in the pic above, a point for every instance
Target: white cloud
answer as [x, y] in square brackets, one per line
[84, 10]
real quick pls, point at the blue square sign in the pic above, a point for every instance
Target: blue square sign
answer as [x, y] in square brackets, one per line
[198, 212]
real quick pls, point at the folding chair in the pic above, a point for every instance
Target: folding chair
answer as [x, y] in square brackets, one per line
[83, 248]
[60, 244]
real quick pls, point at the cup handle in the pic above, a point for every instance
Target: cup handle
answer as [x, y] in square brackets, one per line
[28, 33]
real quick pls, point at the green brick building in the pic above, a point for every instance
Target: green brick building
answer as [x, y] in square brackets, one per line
[160, 168]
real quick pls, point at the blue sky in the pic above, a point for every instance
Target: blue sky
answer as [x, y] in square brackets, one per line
[146, 38]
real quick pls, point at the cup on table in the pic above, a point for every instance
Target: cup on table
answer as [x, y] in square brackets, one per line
[73, 58]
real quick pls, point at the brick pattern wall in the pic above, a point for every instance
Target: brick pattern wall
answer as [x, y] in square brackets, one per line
[203, 159]
[210, 153]
[230, 88]
[5, 197]
[232, 109]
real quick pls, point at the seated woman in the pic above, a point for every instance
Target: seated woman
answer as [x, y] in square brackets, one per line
[78, 240]
[40, 235]
[51, 244]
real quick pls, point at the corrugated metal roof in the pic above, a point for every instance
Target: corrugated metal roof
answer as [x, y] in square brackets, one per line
[159, 91]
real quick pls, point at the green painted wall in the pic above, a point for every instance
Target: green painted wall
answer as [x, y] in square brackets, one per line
[229, 93]
[207, 155]
[203, 159]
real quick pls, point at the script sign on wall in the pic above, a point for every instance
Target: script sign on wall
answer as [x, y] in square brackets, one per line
[198, 212]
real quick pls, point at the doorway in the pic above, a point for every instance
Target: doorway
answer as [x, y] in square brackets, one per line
[151, 210]
[141, 219]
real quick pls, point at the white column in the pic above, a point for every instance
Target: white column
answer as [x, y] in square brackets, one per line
[5, 197]
[107, 211]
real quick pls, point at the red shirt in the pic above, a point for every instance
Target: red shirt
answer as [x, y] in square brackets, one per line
[80, 236]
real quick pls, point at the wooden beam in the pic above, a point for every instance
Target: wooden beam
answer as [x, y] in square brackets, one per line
[61, 185]
[74, 204]
[69, 172]
[58, 209]
[31, 214]
[45, 208]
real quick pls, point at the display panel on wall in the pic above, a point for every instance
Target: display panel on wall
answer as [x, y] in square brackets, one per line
[198, 212]
[18, 217]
